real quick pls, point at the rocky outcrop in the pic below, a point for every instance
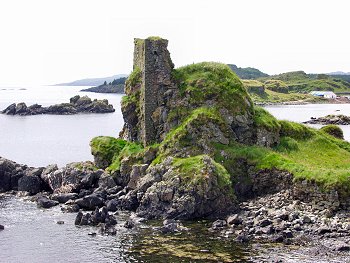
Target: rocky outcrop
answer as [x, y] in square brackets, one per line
[45, 202]
[10, 174]
[89, 202]
[71, 178]
[30, 184]
[330, 119]
[282, 218]
[160, 99]
[64, 183]
[165, 192]
[99, 217]
[76, 105]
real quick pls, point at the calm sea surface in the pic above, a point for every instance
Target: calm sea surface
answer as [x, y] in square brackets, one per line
[45, 139]
[300, 113]
[33, 235]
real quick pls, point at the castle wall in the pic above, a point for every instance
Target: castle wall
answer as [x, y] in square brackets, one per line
[152, 57]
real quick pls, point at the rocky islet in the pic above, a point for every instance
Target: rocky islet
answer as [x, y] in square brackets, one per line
[76, 105]
[330, 119]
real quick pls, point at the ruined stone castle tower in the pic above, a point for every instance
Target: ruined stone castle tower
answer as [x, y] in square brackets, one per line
[146, 114]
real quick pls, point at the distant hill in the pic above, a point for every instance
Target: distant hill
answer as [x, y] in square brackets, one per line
[92, 81]
[294, 86]
[116, 86]
[247, 73]
[299, 81]
[345, 77]
[339, 73]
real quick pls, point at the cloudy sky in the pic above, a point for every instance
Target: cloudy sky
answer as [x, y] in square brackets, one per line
[46, 42]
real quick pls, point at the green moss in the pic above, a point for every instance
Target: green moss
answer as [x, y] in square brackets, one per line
[193, 170]
[287, 144]
[180, 136]
[318, 158]
[129, 99]
[333, 130]
[139, 41]
[106, 147]
[130, 149]
[178, 113]
[209, 81]
[134, 78]
[295, 130]
[263, 118]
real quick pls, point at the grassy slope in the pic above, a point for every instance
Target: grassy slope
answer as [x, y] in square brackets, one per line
[213, 81]
[295, 86]
[277, 97]
[308, 154]
[305, 152]
[299, 81]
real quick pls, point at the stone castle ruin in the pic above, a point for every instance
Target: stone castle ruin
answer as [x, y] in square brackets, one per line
[153, 101]
[151, 91]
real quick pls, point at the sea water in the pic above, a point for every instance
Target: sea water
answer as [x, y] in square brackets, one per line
[41, 140]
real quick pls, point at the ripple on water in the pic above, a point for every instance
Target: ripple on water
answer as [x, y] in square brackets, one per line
[33, 235]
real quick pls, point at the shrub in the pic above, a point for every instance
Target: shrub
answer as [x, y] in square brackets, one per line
[333, 130]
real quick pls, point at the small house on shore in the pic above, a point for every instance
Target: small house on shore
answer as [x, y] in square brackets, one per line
[324, 94]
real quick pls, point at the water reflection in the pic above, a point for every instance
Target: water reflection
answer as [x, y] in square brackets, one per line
[33, 235]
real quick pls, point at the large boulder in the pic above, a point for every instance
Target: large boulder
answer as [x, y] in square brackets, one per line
[10, 110]
[194, 187]
[30, 184]
[45, 202]
[63, 198]
[62, 109]
[106, 181]
[6, 170]
[90, 202]
[72, 177]
[10, 173]
[21, 109]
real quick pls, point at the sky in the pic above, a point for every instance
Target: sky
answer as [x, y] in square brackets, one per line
[47, 42]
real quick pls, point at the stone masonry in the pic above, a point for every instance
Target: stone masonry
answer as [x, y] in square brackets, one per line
[152, 57]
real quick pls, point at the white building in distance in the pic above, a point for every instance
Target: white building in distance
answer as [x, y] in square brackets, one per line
[324, 94]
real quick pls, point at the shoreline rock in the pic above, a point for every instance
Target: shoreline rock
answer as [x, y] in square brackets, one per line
[330, 119]
[297, 213]
[76, 105]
